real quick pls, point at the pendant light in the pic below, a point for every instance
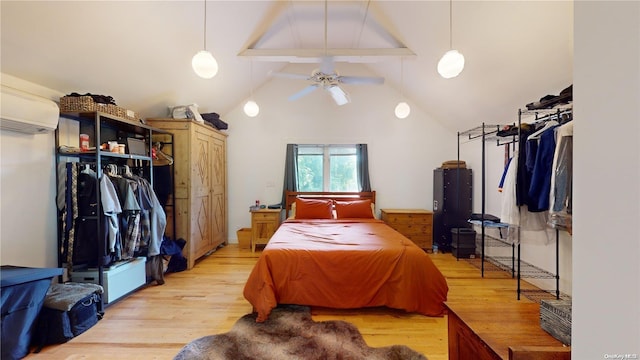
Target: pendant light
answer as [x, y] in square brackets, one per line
[203, 63]
[251, 108]
[452, 62]
[402, 109]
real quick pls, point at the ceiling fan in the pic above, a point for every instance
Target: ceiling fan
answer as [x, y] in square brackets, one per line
[327, 77]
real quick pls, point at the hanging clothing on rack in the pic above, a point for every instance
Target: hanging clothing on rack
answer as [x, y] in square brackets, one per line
[513, 213]
[123, 198]
[79, 218]
[130, 218]
[561, 192]
[111, 209]
[157, 220]
[540, 184]
[523, 175]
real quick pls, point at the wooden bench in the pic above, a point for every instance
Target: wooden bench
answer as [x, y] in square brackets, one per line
[500, 330]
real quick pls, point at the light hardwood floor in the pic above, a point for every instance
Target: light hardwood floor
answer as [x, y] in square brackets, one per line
[156, 321]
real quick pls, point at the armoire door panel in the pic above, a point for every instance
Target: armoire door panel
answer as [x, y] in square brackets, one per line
[218, 162]
[201, 170]
[201, 225]
[219, 219]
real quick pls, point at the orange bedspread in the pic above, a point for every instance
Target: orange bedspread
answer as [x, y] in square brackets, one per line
[344, 264]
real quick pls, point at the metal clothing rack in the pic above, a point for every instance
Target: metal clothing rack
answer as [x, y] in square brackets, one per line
[530, 271]
[517, 267]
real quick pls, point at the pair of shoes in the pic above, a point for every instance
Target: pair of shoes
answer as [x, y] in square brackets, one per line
[549, 101]
[512, 130]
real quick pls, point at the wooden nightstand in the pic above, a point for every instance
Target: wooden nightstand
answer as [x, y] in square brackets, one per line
[415, 224]
[264, 223]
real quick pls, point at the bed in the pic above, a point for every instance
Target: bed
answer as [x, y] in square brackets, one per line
[334, 253]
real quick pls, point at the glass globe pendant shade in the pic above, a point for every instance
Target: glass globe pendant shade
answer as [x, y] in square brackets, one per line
[204, 64]
[251, 108]
[451, 64]
[402, 110]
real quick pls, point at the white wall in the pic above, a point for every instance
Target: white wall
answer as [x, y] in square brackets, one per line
[27, 192]
[402, 153]
[27, 197]
[606, 286]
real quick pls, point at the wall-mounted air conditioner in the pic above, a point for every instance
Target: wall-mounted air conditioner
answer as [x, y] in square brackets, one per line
[27, 113]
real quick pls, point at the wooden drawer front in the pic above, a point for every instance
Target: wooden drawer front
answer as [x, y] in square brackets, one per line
[412, 229]
[407, 218]
[265, 216]
[423, 241]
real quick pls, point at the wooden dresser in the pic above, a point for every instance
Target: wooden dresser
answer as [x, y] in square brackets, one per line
[200, 170]
[264, 223]
[415, 224]
[501, 330]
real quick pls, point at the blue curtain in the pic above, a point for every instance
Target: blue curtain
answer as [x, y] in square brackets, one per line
[290, 171]
[362, 156]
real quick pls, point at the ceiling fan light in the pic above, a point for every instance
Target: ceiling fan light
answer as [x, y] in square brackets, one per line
[451, 64]
[339, 95]
[204, 64]
[251, 108]
[402, 110]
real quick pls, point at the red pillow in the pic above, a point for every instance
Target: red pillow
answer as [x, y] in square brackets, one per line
[314, 209]
[355, 209]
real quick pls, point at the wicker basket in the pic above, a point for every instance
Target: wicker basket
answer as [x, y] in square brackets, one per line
[86, 104]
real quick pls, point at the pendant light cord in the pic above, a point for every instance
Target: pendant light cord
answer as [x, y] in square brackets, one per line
[364, 20]
[450, 24]
[325, 27]
[251, 77]
[402, 77]
[205, 25]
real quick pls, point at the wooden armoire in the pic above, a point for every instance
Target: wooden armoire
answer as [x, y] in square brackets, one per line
[200, 178]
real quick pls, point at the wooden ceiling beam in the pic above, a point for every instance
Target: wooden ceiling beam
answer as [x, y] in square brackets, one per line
[315, 55]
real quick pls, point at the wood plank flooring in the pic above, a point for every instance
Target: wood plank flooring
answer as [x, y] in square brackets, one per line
[156, 321]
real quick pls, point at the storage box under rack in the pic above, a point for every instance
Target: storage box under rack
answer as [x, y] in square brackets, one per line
[463, 242]
[463, 252]
[117, 280]
[463, 238]
[555, 318]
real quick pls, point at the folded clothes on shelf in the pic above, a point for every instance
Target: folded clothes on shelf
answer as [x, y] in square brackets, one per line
[488, 217]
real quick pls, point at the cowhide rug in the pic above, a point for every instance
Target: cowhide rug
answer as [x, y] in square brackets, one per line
[290, 333]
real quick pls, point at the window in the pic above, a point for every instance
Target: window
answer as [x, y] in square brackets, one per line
[327, 168]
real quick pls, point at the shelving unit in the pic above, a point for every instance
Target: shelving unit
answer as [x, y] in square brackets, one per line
[504, 263]
[485, 133]
[514, 264]
[121, 277]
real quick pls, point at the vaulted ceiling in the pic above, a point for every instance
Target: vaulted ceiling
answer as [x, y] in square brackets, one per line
[140, 52]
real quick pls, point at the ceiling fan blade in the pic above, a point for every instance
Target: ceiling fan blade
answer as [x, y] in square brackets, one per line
[289, 75]
[338, 95]
[357, 80]
[327, 66]
[309, 89]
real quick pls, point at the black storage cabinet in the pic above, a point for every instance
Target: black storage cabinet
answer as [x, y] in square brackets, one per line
[452, 203]
[23, 291]
[463, 242]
